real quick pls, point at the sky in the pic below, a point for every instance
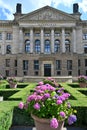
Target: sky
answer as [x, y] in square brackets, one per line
[8, 7]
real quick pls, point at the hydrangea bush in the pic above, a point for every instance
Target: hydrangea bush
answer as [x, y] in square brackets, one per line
[82, 79]
[47, 101]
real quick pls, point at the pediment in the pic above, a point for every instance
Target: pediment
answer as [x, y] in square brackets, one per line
[47, 13]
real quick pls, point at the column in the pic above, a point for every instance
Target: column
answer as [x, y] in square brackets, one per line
[52, 40]
[42, 40]
[63, 40]
[74, 39]
[21, 41]
[3, 48]
[31, 40]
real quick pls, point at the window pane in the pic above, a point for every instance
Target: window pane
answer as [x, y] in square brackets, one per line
[47, 46]
[36, 65]
[7, 62]
[69, 64]
[25, 64]
[37, 46]
[58, 64]
[8, 49]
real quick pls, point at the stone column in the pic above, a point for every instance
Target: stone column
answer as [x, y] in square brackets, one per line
[21, 41]
[52, 40]
[63, 40]
[74, 40]
[31, 40]
[3, 49]
[42, 40]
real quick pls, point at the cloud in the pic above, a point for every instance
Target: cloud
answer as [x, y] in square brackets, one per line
[9, 7]
[83, 5]
[6, 9]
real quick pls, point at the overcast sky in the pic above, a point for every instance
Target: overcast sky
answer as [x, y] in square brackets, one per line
[8, 7]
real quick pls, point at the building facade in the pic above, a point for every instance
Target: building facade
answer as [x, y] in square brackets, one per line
[45, 42]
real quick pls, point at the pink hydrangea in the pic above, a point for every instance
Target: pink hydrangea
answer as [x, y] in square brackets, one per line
[21, 105]
[53, 123]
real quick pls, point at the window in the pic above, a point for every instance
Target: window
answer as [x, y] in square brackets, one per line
[27, 46]
[36, 73]
[78, 72]
[15, 63]
[0, 36]
[57, 34]
[69, 73]
[36, 64]
[7, 72]
[27, 34]
[37, 34]
[58, 64]
[25, 73]
[7, 62]
[84, 36]
[37, 46]
[69, 64]
[79, 62]
[47, 34]
[9, 36]
[8, 49]
[15, 72]
[67, 34]
[58, 73]
[57, 46]
[25, 64]
[85, 49]
[47, 46]
[85, 62]
[67, 45]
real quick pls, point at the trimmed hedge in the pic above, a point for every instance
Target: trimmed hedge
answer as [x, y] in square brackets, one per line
[19, 117]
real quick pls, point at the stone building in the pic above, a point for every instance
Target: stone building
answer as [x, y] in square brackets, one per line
[45, 42]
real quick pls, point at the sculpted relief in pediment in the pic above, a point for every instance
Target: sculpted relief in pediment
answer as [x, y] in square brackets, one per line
[47, 15]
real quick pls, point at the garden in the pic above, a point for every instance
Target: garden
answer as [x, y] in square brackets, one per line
[12, 115]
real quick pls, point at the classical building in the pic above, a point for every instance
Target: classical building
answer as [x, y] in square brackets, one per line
[45, 42]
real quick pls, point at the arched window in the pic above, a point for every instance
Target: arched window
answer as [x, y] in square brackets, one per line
[67, 45]
[47, 46]
[27, 46]
[57, 45]
[8, 49]
[37, 46]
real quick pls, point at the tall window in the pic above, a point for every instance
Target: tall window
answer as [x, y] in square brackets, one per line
[47, 46]
[7, 61]
[9, 36]
[67, 45]
[85, 49]
[85, 62]
[57, 46]
[79, 62]
[37, 46]
[27, 46]
[8, 49]
[58, 64]
[84, 36]
[69, 64]
[15, 63]
[36, 64]
[0, 36]
[25, 64]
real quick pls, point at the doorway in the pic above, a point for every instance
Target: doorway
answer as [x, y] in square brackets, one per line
[47, 69]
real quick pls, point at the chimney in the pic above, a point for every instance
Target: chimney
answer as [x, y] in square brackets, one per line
[75, 8]
[18, 8]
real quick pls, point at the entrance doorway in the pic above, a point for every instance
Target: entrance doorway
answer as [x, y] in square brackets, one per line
[47, 69]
